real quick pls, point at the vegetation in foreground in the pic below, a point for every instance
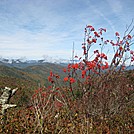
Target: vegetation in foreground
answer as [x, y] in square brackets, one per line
[94, 97]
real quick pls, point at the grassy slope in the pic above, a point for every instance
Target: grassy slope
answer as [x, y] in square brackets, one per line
[26, 79]
[37, 73]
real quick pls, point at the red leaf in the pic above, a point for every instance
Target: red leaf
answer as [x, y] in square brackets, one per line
[105, 66]
[75, 66]
[117, 34]
[129, 36]
[64, 70]
[51, 74]
[66, 79]
[83, 73]
[94, 40]
[120, 48]
[90, 27]
[72, 80]
[96, 34]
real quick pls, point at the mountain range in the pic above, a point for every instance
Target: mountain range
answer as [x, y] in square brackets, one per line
[34, 70]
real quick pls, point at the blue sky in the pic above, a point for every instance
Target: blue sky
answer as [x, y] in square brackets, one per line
[37, 28]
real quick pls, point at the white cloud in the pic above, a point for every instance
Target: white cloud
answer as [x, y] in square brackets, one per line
[35, 28]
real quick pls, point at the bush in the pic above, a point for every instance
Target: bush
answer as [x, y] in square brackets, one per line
[95, 93]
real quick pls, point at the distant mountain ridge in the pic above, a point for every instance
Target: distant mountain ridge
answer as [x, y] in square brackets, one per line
[30, 71]
[21, 63]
